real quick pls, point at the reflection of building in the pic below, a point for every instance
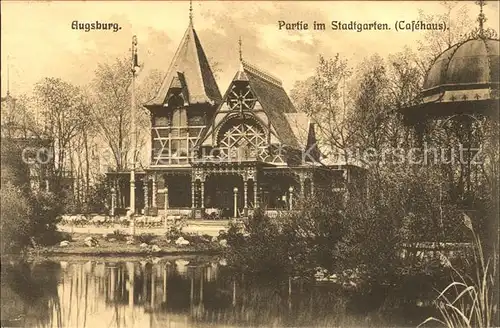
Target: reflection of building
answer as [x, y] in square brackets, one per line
[131, 291]
[249, 146]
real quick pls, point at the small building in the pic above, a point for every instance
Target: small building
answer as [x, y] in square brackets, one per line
[35, 149]
[226, 154]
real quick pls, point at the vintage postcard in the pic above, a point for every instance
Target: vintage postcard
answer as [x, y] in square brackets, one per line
[249, 163]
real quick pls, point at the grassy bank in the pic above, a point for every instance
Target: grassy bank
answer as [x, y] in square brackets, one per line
[121, 244]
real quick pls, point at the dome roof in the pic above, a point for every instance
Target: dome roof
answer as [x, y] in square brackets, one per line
[464, 79]
[468, 64]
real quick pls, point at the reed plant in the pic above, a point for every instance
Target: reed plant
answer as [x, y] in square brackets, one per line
[471, 299]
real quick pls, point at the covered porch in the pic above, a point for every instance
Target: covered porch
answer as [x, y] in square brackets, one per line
[222, 190]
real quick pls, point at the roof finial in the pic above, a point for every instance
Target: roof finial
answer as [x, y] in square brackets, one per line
[481, 18]
[190, 12]
[240, 51]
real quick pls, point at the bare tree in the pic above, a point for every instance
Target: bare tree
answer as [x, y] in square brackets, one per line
[459, 24]
[62, 109]
[111, 99]
[327, 98]
[111, 108]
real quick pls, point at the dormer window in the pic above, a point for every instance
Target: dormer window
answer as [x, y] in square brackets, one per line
[241, 97]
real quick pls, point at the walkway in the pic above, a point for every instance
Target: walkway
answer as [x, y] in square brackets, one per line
[208, 227]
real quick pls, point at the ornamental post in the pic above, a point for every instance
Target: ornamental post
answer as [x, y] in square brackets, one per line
[202, 193]
[192, 194]
[245, 193]
[154, 191]
[255, 194]
[235, 190]
[146, 196]
[113, 201]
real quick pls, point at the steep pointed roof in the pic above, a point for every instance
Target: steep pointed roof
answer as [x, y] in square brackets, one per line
[274, 100]
[240, 75]
[312, 144]
[191, 61]
[300, 126]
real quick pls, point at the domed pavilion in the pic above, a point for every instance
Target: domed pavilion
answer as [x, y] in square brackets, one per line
[463, 80]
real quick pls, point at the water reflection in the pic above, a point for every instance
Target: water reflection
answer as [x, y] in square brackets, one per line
[166, 292]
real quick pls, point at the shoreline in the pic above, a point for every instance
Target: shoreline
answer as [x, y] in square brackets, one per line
[159, 246]
[47, 254]
[122, 253]
[118, 256]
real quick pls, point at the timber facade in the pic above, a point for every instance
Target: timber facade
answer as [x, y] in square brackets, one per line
[225, 155]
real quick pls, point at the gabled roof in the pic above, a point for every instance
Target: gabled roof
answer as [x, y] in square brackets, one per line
[299, 123]
[191, 61]
[274, 100]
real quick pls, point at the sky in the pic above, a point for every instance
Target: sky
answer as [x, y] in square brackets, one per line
[37, 39]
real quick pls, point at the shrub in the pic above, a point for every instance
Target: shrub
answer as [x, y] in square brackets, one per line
[196, 239]
[263, 251]
[118, 235]
[174, 232]
[62, 235]
[99, 194]
[145, 238]
[16, 225]
[46, 211]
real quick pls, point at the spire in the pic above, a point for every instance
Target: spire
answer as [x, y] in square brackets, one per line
[196, 77]
[240, 51]
[481, 32]
[312, 144]
[240, 75]
[190, 13]
[481, 18]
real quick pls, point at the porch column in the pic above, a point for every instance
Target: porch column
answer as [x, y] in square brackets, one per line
[154, 191]
[312, 187]
[202, 186]
[302, 186]
[255, 194]
[113, 201]
[193, 184]
[245, 194]
[164, 191]
[165, 205]
[146, 196]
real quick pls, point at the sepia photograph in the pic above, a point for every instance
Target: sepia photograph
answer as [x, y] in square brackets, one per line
[250, 164]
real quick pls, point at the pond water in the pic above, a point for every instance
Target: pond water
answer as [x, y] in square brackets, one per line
[166, 292]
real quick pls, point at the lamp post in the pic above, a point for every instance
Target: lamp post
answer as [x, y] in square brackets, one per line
[235, 190]
[291, 197]
[134, 134]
